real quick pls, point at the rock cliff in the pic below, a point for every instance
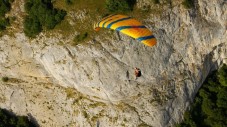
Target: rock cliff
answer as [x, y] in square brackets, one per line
[64, 85]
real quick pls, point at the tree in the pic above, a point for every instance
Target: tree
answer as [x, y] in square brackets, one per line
[32, 26]
[8, 119]
[41, 15]
[222, 75]
[210, 106]
[222, 99]
[5, 7]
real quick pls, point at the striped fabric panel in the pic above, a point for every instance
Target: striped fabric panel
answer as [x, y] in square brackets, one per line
[128, 27]
[112, 19]
[119, 20]
[131, 22]
[149, 42]
[137, 32]
[145, 38]
[103, 25]
[109, 18]
[105, 19]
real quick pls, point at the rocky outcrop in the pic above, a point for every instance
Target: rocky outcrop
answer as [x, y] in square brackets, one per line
[64, 85]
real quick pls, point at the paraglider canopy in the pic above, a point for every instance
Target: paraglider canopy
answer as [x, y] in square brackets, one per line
[128, 26]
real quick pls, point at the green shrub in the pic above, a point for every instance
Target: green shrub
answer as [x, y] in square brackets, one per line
[79, 38]
[156, 1]
[32, 26]
[120, 6]
[4, 22]
[41, 14]
[5, 7]
[5, 79]
[188, 3]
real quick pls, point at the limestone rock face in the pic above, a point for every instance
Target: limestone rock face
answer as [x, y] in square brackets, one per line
[64, 85]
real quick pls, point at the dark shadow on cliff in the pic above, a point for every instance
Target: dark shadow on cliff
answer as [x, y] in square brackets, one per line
[33, 120]
[131, 3]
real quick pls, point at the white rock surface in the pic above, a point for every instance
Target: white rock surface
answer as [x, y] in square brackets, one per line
[64, 85]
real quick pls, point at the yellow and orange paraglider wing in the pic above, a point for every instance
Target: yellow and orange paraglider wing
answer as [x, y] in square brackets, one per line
[128, 26]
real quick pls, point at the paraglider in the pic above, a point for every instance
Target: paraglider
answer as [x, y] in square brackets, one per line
[128, 26]
[137, 72]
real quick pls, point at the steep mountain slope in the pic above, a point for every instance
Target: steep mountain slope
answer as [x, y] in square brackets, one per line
[64, 85]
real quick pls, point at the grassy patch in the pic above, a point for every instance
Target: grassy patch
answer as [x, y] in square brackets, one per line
[83, 14]
[70, 92]
[80, 18]
[94, 118]
[90, 9]
[120, 6]
[143, 125]
[80, 38]
[85, 114]
[97, 104]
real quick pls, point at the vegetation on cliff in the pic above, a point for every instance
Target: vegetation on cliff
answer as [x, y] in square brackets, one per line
[5, 6]
[8, 119]
[41, 14]
[120, 6]
[47, 14]
[5, 79]
[210, 106]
